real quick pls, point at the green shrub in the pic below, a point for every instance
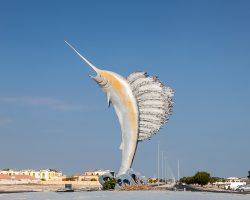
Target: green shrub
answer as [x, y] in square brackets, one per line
[150, 180]
[109, 184]
[188, 180]
[70, 178]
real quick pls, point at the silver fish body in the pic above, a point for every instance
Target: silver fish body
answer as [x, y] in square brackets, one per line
[119, 93]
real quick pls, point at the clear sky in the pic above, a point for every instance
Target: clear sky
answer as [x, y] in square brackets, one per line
[52, 115]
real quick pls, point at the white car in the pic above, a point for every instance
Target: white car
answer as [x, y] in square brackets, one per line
[243, 188]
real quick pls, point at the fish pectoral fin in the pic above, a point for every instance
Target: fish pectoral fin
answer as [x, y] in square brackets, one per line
[108, 99]
[121, 146]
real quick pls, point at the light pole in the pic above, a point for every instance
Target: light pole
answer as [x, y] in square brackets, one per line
[178, 171]
[162, 166]
[158, 162]
[165, 170]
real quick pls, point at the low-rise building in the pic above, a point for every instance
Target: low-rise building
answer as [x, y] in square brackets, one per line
[9, 172]
[230, 183]
[233, 182]
[48, 174]
[51, 174]
[93, 175]
[17, 179]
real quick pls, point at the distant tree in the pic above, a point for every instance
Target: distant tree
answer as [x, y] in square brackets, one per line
[214, 179]
[202, 178]
[183, 179]
[187, 180]
[248, 175]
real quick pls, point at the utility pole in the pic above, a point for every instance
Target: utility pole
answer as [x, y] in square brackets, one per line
[162, 166]
[165, 170]
[158, 162]
[178, 170]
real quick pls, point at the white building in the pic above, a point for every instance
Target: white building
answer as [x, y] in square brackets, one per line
[48, 174]
[9, 172]
[97, 172]
[93, 175]
[233, 182]
[17, 179]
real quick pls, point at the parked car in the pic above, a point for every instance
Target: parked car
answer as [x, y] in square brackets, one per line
[243, 188]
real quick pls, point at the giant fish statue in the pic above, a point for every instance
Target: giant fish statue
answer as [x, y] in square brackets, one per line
[142, 104]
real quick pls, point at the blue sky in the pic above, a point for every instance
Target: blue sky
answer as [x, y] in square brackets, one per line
[52, 115]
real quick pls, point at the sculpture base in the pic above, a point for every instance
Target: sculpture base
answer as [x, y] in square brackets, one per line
[129, 178]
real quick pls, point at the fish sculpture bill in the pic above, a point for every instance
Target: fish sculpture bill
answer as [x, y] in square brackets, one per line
[142, 104]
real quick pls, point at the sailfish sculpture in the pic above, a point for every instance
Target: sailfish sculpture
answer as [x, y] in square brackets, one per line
[143, 105]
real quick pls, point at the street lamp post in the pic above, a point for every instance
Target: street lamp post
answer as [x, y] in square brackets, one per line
[162, 166]
[165, 170]
[158, 163]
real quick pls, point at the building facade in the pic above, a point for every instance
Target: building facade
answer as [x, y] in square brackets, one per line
[48, 174]
[93, 175]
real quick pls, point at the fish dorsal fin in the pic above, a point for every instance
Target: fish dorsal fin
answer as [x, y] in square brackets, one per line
[154, 101]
